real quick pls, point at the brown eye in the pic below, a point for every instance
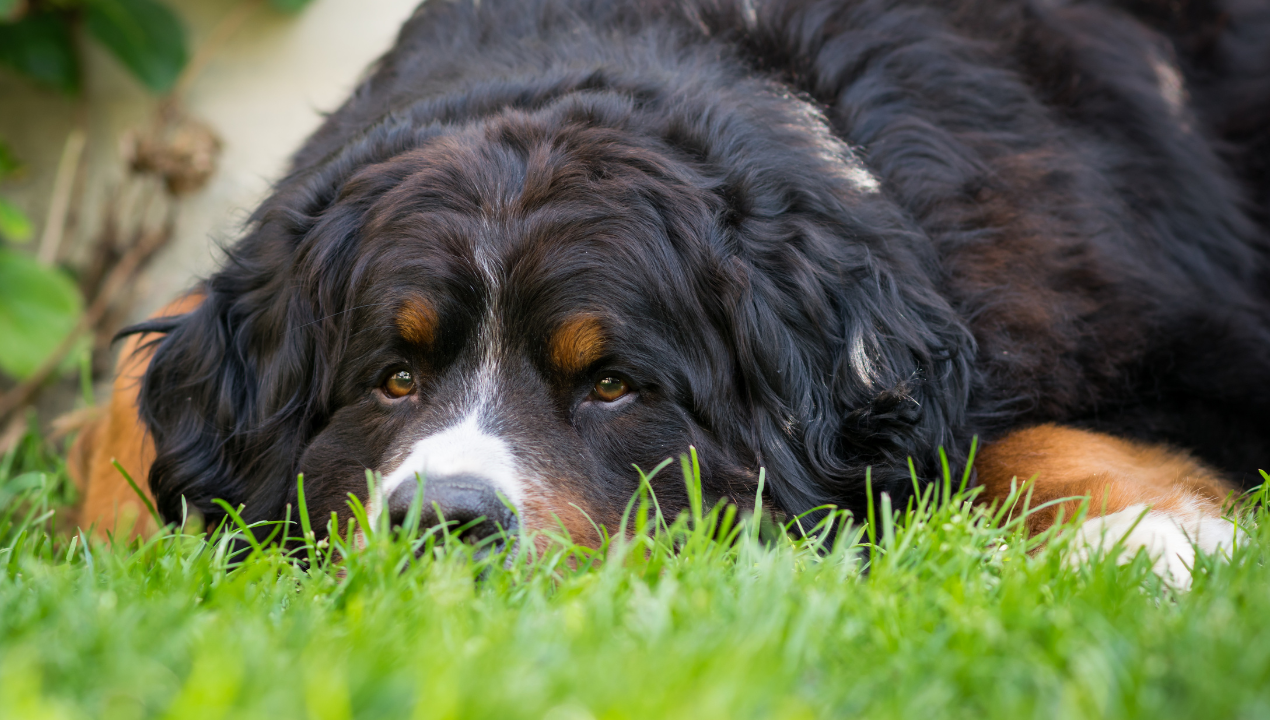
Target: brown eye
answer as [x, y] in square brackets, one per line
[610, 388]
[400, 384]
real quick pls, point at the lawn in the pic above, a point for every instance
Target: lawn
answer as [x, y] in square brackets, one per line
[958, 616]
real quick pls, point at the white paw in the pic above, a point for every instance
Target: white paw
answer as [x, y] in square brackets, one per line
[1169, 537]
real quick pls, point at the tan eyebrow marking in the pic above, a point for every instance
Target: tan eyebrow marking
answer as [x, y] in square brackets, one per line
[417, 321]
[578, 342]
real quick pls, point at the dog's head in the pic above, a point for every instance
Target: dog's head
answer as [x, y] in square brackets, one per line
[517, 305]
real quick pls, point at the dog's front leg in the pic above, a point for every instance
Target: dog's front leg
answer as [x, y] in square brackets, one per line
[1143, 496]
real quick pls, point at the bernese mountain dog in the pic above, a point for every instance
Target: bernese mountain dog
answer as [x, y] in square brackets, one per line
[547, 240]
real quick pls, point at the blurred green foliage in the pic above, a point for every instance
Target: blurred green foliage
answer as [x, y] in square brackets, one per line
[39, 46]
[146, 37]
[14, 226]
[39, 39]
[39, 307]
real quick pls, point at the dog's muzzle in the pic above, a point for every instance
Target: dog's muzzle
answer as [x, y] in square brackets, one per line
[468, 504]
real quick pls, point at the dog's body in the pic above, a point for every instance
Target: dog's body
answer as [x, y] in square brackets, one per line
[545, 240]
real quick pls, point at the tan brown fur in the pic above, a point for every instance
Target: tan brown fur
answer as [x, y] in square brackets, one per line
[1113, 473]
[554, 509]
[578, 342]
[417, 321]
[109, 503]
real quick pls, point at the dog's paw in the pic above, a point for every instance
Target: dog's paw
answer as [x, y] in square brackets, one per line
[1169, 537]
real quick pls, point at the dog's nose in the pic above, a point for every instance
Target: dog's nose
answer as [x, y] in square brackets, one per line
[457, 500]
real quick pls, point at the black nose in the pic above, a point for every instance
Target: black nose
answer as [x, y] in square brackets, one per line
[468, 504]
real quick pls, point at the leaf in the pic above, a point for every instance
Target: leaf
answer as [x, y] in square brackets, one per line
[288, 6]
[39, 46]
[146, 36]
[13, 223]
[9, 163]
[39, 307]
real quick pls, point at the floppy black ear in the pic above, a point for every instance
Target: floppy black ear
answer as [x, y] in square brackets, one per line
[851, 360]
[231, 393]
[850, 357]
[238, 387]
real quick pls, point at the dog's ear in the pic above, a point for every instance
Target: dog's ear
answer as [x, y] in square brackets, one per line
[238, 387]
[850, 358]
[231, 392]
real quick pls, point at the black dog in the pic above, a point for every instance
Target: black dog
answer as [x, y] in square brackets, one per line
[548, 239]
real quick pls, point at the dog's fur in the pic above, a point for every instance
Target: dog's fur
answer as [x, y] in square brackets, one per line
[816, 236]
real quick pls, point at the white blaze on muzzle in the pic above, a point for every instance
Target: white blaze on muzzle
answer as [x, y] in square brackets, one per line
[464, 449]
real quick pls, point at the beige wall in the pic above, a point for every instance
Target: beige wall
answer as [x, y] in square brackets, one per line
[263, 92]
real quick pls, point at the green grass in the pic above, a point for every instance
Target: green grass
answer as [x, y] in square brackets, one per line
[957, 617]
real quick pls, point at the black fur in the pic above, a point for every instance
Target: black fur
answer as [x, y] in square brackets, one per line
[1071, 226]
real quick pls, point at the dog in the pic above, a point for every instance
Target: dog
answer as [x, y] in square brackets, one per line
[547, 240]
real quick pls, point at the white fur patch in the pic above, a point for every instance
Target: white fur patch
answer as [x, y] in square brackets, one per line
[463, 449]
[1172, 89]
[1170, 539]
[838, 157]
[861, 178]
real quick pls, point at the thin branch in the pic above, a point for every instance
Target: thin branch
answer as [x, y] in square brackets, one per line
[60, 202]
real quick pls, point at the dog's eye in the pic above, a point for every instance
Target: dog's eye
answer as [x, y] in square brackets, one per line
[400, 384]
[611, 388]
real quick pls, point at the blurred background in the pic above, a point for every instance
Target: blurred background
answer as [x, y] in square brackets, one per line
[136, 136]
